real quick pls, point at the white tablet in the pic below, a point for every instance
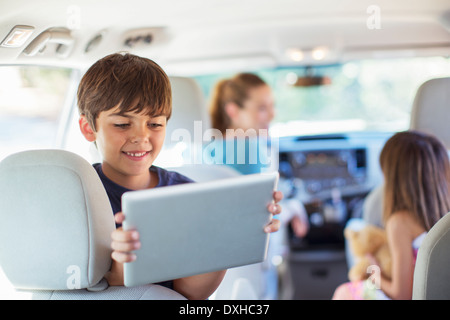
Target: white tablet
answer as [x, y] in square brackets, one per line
[195, 228]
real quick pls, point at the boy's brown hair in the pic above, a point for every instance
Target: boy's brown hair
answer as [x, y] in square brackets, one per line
[134, 84]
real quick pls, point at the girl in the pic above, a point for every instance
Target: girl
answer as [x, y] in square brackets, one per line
[416, 169]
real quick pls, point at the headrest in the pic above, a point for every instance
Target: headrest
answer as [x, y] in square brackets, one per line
[56, 221]
[188, 105]
[185, 128]
[431, 273]
[431, 109]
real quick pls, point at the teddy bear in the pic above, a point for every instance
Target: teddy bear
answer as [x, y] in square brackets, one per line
[366, 242]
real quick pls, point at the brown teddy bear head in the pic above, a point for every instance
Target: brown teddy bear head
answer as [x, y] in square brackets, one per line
[367, 240]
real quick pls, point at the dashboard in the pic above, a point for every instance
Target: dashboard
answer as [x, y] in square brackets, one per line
[330, 175]
[327, 169]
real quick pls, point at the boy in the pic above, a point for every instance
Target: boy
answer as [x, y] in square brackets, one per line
[124, 103]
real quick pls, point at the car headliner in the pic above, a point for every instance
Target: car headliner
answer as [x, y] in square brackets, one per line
[215, 35]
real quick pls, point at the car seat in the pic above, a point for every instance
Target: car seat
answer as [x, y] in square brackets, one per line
[431, 114]
[431, 273]
[431, 109]
[56, 231]
[185, 128]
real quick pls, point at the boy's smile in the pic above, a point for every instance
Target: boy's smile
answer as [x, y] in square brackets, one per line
[129, 143]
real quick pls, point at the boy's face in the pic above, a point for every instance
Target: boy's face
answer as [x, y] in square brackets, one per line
[129, 143]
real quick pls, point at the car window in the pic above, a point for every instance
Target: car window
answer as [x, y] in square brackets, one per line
[31, 104]
[365, 95]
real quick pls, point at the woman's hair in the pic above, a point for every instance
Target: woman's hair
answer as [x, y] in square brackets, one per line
[233, 90]
[132, 83]
[417, 177]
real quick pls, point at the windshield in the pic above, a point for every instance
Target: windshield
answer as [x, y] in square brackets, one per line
[366, 95]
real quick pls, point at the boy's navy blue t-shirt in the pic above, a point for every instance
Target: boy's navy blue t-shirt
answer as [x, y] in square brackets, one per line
[115, 191]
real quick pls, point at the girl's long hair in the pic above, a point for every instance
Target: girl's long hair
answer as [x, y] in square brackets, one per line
[417, 177]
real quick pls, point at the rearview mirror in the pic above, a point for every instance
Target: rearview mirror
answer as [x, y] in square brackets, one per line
[308, 80]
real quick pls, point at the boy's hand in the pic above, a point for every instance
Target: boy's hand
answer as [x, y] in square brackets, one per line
[123, 242]
[274, 208]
